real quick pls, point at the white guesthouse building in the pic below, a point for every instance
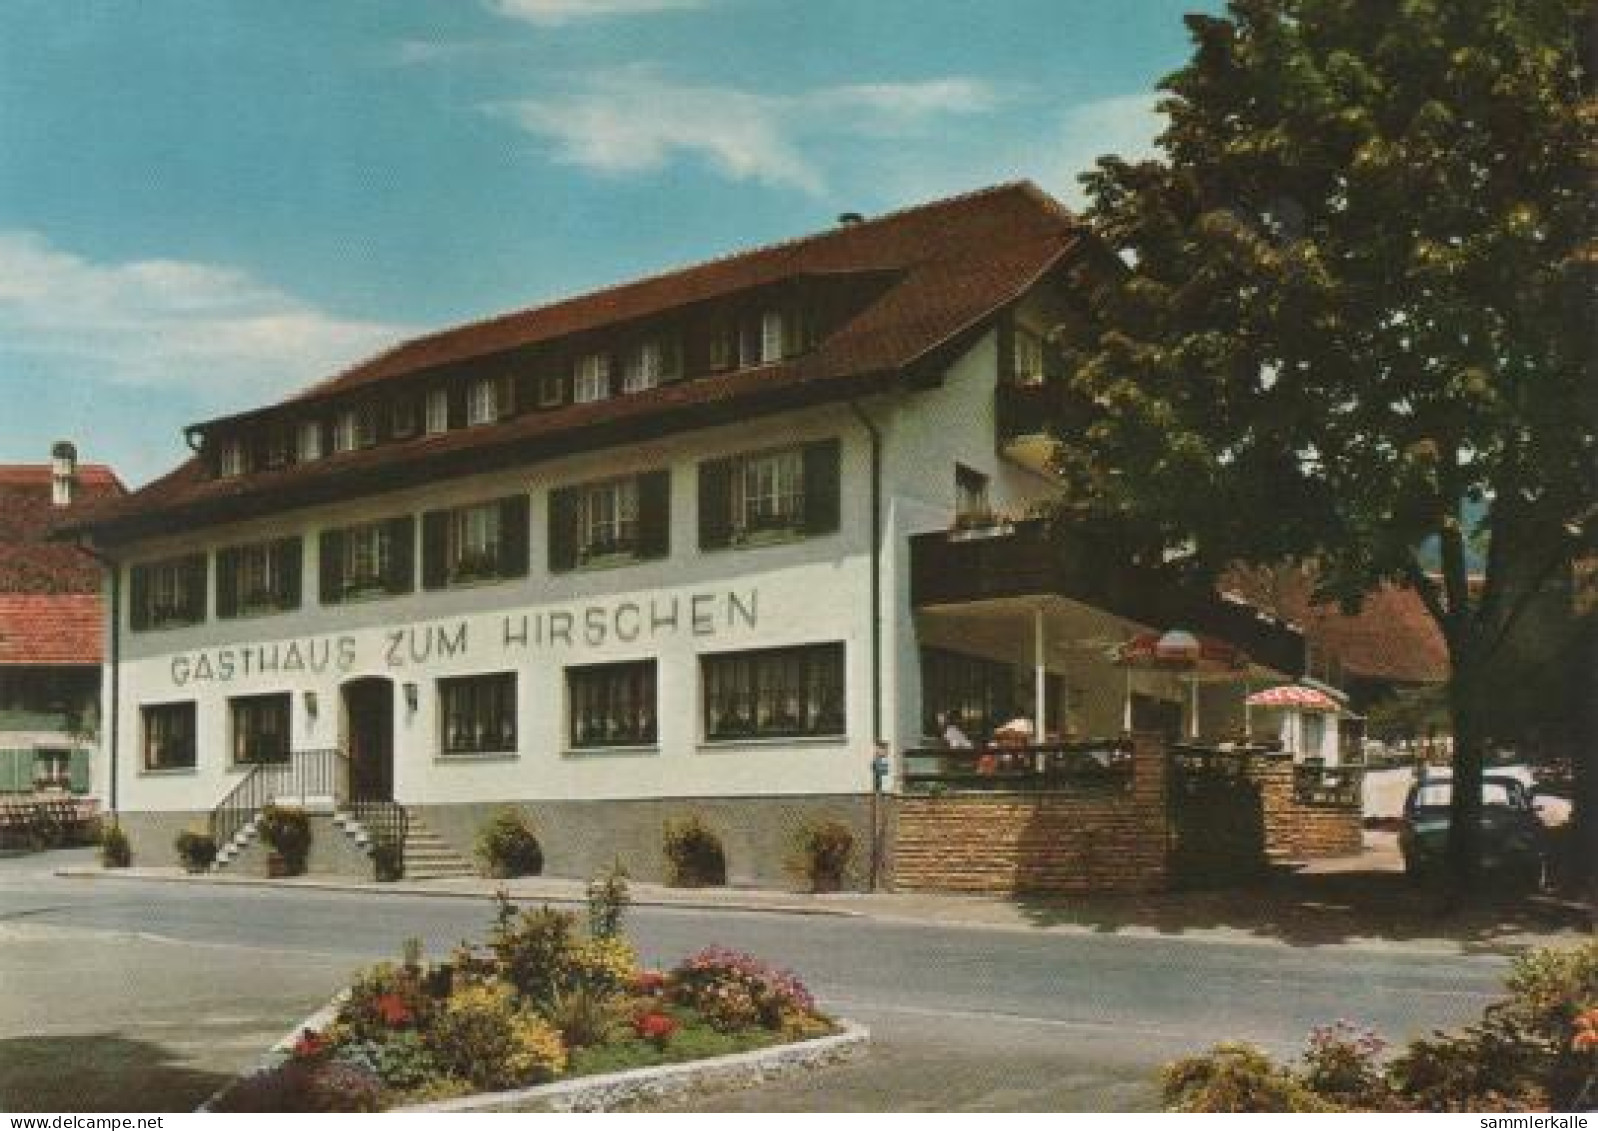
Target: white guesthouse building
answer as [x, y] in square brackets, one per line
[688, 545]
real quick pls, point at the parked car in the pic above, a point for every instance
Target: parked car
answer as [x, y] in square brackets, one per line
[1512, 840]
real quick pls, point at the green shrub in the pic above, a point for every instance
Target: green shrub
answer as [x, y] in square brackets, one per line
[115, 851]
[483, 1036]
[405, 1063]
[1341, 1063]
[287, 831]
[1235, 1077]
[535, 950]
[694, 856]
[585, 1017]
[507, 846]
[608, 899]
[388, 861]
[603, 965]
[823, 851]
[197, 850]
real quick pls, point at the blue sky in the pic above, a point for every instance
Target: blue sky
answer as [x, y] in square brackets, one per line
[206, 204]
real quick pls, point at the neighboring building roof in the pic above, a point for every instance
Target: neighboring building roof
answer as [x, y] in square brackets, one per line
[50, 607]
[945, 267]
[1392, 638]
[50, 629]
[29, 562]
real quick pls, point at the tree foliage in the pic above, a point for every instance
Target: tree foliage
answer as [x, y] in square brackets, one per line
[1350, 314]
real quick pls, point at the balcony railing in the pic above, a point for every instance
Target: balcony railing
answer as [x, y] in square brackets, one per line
[1104, 765]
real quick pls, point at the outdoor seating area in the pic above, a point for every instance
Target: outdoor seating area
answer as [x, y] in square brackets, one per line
[47, 822]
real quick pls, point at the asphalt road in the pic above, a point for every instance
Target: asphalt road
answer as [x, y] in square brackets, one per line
[154, 993]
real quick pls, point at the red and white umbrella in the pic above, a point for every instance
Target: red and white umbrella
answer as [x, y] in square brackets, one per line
[1294, 697]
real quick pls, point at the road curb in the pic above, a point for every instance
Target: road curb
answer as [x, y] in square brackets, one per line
[434, 893]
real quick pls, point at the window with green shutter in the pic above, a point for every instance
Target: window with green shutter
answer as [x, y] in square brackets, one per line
[610, 522]
[482, 542]
[370, 559]
[771, 495]
[168, 593]
[262, 577]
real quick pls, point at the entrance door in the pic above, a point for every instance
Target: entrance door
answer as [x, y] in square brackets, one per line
[369, 716]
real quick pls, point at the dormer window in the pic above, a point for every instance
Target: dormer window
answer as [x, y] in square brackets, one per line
[771, 336]
[279, 452]
[354, 428]
[723, 347]
[437, 411]
[592, 378]
[482, 402]
[402, 418]
[649, 362]
[551, 391]
[231, 461]
[309, 441]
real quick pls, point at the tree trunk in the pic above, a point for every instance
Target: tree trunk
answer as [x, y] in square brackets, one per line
[1464, 823]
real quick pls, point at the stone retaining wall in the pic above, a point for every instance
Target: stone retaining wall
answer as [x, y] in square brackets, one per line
[1297, 830]
[1095, 840]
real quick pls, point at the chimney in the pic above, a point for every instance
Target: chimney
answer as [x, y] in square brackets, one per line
[63, 472]
[850, 218]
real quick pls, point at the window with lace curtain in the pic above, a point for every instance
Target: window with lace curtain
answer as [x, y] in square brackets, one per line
[477, 714]
[612, 704]
[774, 693]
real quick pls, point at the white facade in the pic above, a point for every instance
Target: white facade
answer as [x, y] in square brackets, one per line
[692, 603]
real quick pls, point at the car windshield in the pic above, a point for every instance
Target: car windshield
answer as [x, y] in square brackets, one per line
[1438, 794]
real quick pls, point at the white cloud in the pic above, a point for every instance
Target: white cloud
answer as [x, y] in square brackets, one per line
[1124, 124]
[554, 13]
[633, 120]
[210, 332]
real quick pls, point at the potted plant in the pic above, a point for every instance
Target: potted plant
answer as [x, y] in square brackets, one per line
[288, 833]
[196, 849]
[823, 852]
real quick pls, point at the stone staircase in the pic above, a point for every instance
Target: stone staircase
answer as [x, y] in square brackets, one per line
[429, 857]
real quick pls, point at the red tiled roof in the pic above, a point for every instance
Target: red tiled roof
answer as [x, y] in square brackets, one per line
[50, 629]
[29, 562]
[946, 267]
[1391, 638]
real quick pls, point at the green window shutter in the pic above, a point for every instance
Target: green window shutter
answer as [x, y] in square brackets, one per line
[715, 504]
[671, 360]
[330, 575]
[194, 569]
[12, 764]
[456, 396]
[505, 396]
[563, 529]
[78, 771]
[513, 536]
[139, 597]
[401, 554]
[822, 487]
[289, 554]
[654, 514]
[433, 529]
[792, 330]
[227, 573]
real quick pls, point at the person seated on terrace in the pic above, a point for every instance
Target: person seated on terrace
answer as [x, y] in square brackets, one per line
[953, 736]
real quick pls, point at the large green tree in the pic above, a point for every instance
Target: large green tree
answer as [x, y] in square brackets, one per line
[1347, 317]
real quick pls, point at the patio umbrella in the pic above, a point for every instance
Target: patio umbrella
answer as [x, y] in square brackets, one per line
[1294, 697]
[1177, 649]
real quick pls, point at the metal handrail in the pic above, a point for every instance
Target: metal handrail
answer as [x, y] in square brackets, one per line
[304, 775]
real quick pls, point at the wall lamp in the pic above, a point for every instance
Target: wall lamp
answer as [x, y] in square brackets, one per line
[310, 704]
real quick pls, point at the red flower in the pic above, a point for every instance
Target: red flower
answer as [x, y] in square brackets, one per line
[392, 1010]
[656, 1028]
[308, 1045]
[1586, 1031]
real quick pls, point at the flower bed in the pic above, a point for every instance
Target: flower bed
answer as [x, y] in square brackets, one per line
[540, 1002]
